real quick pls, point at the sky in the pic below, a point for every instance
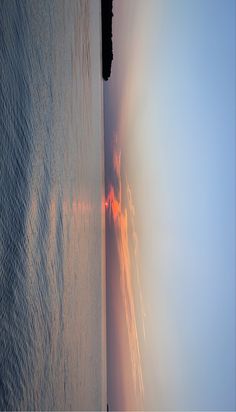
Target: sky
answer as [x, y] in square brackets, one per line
[170, 193]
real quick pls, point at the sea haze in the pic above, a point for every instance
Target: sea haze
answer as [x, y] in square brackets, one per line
[52, 234]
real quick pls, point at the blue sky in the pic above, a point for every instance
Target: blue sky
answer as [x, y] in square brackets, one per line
[173, 98]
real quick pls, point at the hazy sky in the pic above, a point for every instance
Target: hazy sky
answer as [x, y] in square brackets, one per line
[170, 115]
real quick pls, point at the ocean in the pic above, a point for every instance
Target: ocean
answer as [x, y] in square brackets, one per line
[52, 223]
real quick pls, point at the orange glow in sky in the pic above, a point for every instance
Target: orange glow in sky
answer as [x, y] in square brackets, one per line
[123, 219]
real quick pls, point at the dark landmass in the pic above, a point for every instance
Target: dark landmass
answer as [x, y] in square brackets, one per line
[107, 50]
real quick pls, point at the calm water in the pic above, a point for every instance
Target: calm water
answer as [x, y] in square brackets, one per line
[52, 307]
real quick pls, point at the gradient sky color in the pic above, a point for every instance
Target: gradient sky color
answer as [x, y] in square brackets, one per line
[170, 117]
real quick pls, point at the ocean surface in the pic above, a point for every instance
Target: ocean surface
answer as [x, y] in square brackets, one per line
[52, 227]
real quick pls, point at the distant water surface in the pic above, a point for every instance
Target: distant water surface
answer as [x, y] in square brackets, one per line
[52, 309]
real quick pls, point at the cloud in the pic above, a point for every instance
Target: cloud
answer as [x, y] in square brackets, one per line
[123, 218]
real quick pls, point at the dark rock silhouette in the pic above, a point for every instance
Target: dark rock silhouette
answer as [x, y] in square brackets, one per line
[107, 51]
